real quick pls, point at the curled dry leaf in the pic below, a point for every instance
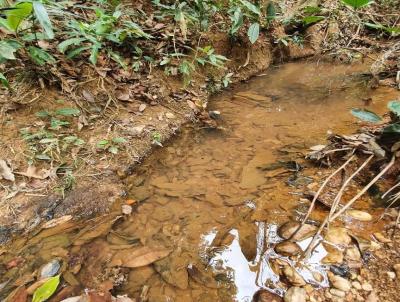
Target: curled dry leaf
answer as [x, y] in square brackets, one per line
[5, 171]
[138, 257]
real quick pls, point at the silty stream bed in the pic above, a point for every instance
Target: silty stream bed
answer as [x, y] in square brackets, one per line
[210, 202]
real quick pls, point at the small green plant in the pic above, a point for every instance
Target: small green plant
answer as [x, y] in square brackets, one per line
[111, 145]
[156, 137]
[19, 20]
[49, 142]
[357, 3]
[94, 37]
[207, 55]
[194, 13]
[259, 16]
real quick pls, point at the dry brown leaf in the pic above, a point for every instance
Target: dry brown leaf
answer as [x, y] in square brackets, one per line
[138, 257]
[93, 231]
[32, 172]
[123, 96]
[5, 171]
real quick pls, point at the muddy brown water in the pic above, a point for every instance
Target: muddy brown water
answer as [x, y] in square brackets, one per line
[211, 199]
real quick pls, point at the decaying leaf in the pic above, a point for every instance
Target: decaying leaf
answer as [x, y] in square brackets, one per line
[5, 171]
[102, 227]
[33, 172]
[138, 257]
[202, 277]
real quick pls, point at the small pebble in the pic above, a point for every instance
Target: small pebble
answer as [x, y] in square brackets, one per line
[50, 269]
[367, 287]
[126, 209]
[356, 285]
[337, 292]
[391, 275]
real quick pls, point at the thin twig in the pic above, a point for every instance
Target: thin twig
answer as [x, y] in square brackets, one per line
[329, 218]
[354, 199]
[311, 208]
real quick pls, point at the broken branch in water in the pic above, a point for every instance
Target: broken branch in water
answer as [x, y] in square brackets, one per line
[311, 208]
[331, 217]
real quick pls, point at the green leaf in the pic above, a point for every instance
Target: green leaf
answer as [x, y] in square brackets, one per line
[15, 16]
[73, 53]
[68, 112]
[271, 12]
[43, 18]
[113, 149]
[40, 56]
[94, 53]
[63, 46]
[43, 113]
[237, 21]
[312, 19]
[392, 128]
[357, 3]
[119, 140]
[7, 50]
[46, 290]
[394, 106]
[117, 58]
[56, 124]
[4, 81]
[102, 144]
[312, 10]
[253, 32]
[366, 115]
[251, 7]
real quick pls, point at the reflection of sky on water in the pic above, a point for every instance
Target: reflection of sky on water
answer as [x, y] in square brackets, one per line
[249, 277]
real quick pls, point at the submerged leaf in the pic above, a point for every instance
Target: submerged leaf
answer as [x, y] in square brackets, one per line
[138, 257]
[366, 115]
[46, 290]
[394, 106]
[393, 128]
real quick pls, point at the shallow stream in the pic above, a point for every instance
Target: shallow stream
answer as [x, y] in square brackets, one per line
[212, 199]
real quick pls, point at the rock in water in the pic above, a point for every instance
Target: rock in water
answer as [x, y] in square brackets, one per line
[265, 296]
[295, 294]
[359, 215]
[288, 248]
[338, 236]
[305, 231]
[339, 282]
[50, 269]
[293, 276]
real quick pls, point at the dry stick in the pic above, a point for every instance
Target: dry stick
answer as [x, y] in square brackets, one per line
[311, 208]
[345, 184]
[335, 204]
[376, 178]
[391, 189]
